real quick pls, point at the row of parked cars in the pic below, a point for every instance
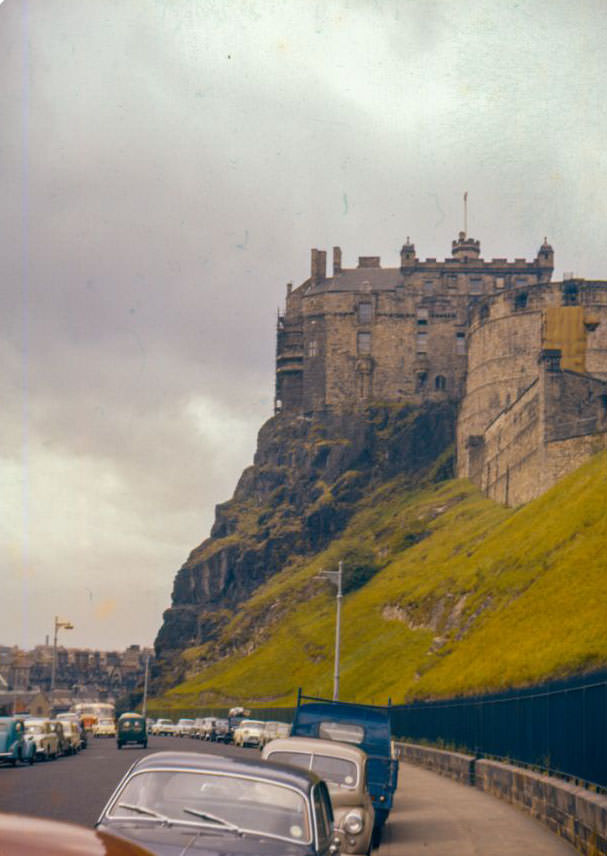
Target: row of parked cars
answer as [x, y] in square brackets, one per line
[24, 740]
[324, 790]
[236, 729]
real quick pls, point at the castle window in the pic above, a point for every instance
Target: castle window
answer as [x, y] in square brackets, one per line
[422, 317]
[420, 381]
[499, 281]
[452, 280]
[422, 343]
[570, 294]
[313, 348]
[476, 286]
[428, 287]
[365, 313]
[440, 382]
[460, 343]
[520, 301]
[364, 343]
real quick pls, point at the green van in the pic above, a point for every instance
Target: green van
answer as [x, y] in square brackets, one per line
[131, 729]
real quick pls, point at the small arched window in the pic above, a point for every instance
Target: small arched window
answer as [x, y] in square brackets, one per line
[440, 382]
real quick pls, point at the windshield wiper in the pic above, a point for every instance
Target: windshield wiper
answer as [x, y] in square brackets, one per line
[143, 810]
[204, 815]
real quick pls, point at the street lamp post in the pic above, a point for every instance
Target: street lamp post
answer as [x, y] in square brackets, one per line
[336, 577]
[60, 624]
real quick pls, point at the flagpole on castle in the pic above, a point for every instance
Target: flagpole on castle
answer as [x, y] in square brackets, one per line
[466, 214]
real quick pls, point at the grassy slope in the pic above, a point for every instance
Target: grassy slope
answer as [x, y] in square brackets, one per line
[491, 597]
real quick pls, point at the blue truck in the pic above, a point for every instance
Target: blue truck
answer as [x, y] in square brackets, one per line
[364, 725]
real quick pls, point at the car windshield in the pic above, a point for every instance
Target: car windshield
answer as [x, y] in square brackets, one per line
[344, 732]
[34, 727]
[223, 801]
[337, 771]
[252, 723]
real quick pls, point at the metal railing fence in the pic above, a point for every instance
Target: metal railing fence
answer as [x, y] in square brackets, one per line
[559, 727]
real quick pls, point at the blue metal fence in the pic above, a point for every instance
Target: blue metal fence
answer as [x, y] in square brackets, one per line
[560, 727]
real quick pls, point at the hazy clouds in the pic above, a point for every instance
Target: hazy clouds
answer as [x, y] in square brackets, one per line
[166, 167]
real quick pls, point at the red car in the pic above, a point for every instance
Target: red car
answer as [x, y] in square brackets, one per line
[34, 836]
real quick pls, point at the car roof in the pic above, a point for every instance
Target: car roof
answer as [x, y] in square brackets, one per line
[318, 747]
[202, 761]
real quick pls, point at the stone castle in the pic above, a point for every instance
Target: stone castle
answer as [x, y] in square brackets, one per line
[524, 358]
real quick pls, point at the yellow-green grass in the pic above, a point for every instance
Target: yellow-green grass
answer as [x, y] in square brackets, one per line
[491, 597]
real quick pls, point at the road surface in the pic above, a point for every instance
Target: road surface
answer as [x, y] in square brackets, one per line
[432, 815]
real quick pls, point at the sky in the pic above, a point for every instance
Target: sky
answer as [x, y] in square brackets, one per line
[166, 168]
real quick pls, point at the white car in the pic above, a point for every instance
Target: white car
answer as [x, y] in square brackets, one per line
[164, 726]
[184, 727]
[104, 728]
[40, 733]
[249, 733]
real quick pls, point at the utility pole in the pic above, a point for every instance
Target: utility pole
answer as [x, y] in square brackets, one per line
[336, 577]
[60, 623]
[144, 706]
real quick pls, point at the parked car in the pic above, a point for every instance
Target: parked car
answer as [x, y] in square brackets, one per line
[74, 718]
[44, 739]
[249, 733]
[221, 731]
[34, 836]
[164, 726]
[131, 729]
[274, 729]
[184, 727]
[73, 735]
[344, 769]
[13, 746]
[363, 725]
[64, 744]
[104, 728]
[207, 728]
[214, 806]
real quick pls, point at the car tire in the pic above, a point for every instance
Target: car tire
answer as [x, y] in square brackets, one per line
[145, 744]
[119, 744]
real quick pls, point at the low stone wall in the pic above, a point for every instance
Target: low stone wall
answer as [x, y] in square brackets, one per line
[576, 814]
[454, 765]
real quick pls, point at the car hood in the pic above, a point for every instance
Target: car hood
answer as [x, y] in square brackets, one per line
[202, 841]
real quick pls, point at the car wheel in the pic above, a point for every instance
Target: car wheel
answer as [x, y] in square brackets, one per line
[145, 744]
[119, 744]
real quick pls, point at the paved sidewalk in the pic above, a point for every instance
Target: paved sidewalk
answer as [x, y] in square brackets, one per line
[435, 816]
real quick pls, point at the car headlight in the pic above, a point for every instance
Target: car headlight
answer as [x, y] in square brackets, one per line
[353, 823]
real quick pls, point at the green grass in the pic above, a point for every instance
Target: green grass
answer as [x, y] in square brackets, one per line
[467, 596]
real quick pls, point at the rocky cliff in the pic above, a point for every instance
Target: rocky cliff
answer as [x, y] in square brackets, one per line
[302, 489]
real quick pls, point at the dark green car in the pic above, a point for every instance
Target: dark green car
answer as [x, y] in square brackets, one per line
[131, 729]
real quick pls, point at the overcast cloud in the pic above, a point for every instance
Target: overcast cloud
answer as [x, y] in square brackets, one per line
[166, 168]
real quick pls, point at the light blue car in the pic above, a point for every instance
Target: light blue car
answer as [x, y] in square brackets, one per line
[13, 745]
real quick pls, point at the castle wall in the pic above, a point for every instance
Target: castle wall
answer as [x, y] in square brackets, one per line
[552, 428]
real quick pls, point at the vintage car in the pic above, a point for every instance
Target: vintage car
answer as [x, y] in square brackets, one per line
[64, 744]
[184, 727]
[249, 733]
[344, 769]
[104, 728]
[207, 728]
[13, 746]
[20, 835]
[164, 727]
[73, 734]
[44, 739]
[367, 727]
[209, 805]
[75, 719]
[131, 729]
[274, 729]
[221, 731]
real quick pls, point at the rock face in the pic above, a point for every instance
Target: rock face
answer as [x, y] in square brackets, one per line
[307, 477]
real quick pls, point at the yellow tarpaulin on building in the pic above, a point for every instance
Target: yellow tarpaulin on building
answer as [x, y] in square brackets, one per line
[564, 329]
